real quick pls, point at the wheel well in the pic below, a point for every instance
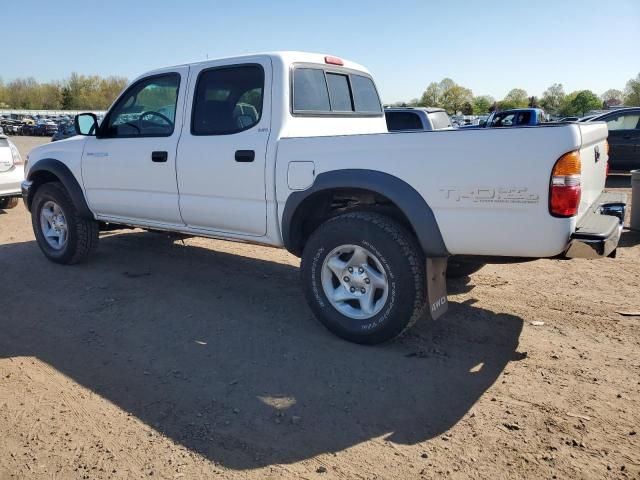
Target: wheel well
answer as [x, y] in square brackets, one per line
[39, 179]
[322, 205]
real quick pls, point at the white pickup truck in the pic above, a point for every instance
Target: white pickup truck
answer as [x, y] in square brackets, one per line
[292, 150]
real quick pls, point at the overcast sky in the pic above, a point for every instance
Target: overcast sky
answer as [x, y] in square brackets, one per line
[488, 46]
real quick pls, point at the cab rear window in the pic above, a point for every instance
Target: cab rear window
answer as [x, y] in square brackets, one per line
[317, 91]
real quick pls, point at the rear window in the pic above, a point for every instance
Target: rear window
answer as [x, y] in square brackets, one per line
[402, 121]
[316, 91]
[440, 120]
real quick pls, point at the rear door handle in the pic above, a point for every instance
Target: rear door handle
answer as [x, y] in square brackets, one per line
[245, 155]
[159, 157]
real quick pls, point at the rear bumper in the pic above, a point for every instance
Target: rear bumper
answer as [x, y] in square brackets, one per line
[598, 231]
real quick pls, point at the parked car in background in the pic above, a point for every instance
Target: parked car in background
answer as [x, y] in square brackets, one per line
[11, 127]
[11, 174]
[624, 137]
[45, 128]
[418, 118]
[517, 117]
[64, 131]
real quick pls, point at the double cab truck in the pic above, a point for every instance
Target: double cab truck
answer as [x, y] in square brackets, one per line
[292, 150]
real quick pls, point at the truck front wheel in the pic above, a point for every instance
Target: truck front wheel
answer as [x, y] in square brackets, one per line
[63, 236]
[364, 277]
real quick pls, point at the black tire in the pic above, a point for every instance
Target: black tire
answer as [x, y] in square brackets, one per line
[7, 203]
[399, 254]
[83, 233]
[460, 268]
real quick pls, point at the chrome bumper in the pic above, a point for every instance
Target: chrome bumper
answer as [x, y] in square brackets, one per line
[598, 231]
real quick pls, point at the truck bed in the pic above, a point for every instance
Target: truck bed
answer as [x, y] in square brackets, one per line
[486, 187]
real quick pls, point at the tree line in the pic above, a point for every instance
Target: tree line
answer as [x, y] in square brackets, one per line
[93, 92]
[78, 92]
[455, 99]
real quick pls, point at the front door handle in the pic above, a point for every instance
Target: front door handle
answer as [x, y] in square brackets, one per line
[159, 157]
[245, 155]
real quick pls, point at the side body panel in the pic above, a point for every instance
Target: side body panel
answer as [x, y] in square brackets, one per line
[488, 188]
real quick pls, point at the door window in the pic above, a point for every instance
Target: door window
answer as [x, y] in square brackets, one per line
[227, 100]
[147, 109]
[503, 120]
[624, 122]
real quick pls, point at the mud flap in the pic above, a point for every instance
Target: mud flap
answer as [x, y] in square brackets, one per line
[437, 286]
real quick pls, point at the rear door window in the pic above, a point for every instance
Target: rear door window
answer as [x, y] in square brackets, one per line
[227, 100]
[624, 122]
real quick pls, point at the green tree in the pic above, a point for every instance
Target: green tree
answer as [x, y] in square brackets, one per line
[567, 107]
[454, 97]
[632, 92]
[585, 101]
[552, 98]
[467, 108]
[516, 98]
[482, 104]
[431, 96]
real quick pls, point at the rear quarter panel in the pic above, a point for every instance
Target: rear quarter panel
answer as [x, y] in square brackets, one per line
[488, 188]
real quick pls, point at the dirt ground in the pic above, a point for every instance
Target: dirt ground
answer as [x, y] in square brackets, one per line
[201, 359]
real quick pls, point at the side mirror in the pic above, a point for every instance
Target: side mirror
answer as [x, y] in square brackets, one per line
[86, 124]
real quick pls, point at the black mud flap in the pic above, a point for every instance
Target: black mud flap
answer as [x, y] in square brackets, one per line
[437, 286]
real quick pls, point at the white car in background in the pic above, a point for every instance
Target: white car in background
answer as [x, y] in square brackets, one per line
[11, 174]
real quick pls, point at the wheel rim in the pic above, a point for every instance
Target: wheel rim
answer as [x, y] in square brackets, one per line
[54, 226]
[354, 282]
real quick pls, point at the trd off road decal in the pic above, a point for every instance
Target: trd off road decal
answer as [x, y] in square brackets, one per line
[493, 195]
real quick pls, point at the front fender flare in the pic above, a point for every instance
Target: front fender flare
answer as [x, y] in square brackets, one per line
[49, 166]
[403, 195]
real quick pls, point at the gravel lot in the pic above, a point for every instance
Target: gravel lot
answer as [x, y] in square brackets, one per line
[200, 358]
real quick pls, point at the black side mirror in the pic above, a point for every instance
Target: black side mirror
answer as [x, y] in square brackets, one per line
[86, 124]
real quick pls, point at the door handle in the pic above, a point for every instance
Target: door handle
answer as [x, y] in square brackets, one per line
[159, 157]
[245, 155]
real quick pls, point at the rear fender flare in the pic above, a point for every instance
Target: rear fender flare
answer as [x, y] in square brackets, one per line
[403, 195]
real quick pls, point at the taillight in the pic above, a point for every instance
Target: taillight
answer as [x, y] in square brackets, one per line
[565, 189]
[15, 154]
[606, 168]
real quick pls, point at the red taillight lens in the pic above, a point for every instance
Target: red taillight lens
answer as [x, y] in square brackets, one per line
[564, 201]
[333, 61]
[565, 189]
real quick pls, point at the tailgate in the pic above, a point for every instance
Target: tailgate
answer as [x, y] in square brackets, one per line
[594, 158]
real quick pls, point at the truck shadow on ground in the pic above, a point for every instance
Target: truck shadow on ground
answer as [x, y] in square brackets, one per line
[220, 353]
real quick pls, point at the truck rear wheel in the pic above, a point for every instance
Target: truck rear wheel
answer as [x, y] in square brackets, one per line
[364, 277]
[63, 236]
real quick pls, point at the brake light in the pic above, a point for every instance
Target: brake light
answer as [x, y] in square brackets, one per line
[333, 61]
[565, 187]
